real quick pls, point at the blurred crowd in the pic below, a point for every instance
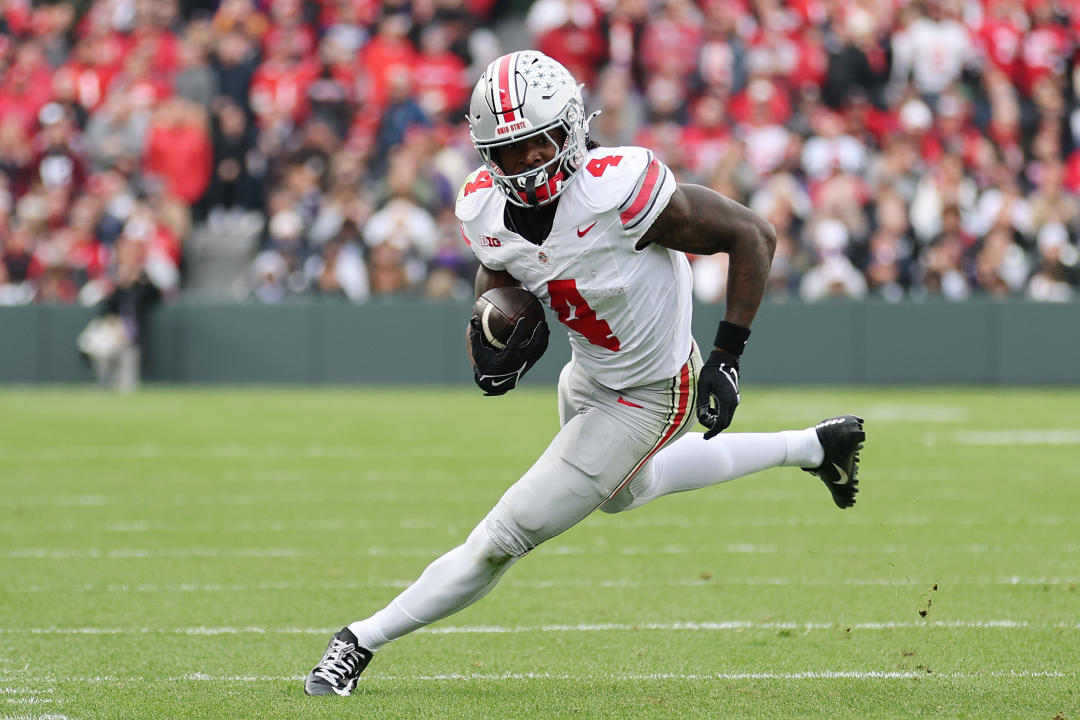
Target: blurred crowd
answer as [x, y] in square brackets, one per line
[901, 149]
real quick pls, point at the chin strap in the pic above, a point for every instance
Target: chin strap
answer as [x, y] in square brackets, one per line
[534, 193]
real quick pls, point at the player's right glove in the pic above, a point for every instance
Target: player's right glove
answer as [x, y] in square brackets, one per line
[498, 371]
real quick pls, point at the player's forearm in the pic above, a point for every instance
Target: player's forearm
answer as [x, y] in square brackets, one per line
[486, 279]
[748, 274]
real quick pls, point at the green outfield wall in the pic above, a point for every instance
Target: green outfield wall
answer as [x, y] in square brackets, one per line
[979, 341]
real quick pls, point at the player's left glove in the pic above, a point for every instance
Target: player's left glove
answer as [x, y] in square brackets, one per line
[718, 391]
[718, 382]
[498, 371]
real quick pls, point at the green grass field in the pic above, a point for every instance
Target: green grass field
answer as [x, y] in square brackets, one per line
[186, 553]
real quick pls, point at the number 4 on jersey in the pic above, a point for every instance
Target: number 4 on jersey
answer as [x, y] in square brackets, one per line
[575, 313]
[597, 166]
[483, 180]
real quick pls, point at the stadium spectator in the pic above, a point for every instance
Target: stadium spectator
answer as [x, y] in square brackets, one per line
[934, 48]
[59, 156]
[1000, 266]
[16, 156]
[440, 83]
[1058, 271]
[178, 149]
[856, 61]
[833, 275]
[195, 79]
[234, 63]
[117, 342]
[236, 181]
[116, 134]
[387, 270]
[339, 270]
[402, 112]
[624, 111]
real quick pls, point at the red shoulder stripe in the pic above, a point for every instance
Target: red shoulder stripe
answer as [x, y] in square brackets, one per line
[643, 195]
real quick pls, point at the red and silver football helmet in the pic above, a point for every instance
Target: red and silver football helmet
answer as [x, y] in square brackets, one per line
[520, 95]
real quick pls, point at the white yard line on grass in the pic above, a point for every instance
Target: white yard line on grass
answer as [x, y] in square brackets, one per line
[725, 625]
[671, 549]
[31, 701]
[601, 677]
[150, 451]
[345, 585]
[646, 521]
[1050, 436]
[809, 412]
[219, 500]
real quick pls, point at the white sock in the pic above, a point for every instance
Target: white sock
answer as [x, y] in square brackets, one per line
[449, 584]
[692, 462]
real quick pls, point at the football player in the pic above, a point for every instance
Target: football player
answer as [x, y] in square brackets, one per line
[599, 234]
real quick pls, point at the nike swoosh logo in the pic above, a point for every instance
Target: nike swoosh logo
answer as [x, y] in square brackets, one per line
[497, 383]
[581, 233]
[627, 402]
[844, 477]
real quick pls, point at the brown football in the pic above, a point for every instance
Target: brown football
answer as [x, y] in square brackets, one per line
[499, 310]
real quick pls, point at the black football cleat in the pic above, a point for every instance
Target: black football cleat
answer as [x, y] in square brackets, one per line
[340, 667]
[842, 437]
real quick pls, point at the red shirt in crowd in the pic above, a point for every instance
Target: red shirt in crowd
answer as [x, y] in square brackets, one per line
[23, 92]
[1000, 40]
[811, 65]
[281, 88]
[667, 43]
[1045, 51]
[88, 255]
[380, 58]
[777, 104]
[180, 153]
[440, 82]
[581, 49]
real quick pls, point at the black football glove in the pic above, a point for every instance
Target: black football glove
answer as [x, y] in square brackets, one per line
[718, 391]
[498, 371]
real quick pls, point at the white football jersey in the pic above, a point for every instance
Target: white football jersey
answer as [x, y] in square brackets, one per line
[627, 309]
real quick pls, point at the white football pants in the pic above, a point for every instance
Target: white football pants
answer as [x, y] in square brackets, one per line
[617, 450]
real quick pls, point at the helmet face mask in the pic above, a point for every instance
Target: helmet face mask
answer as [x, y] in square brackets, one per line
[520, 96]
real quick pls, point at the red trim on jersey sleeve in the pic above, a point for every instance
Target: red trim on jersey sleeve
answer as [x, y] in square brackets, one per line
[644, 195]
[463, 235]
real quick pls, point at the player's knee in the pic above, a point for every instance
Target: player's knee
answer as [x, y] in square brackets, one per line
[485, 551]
[518, 522]
[618, 502]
